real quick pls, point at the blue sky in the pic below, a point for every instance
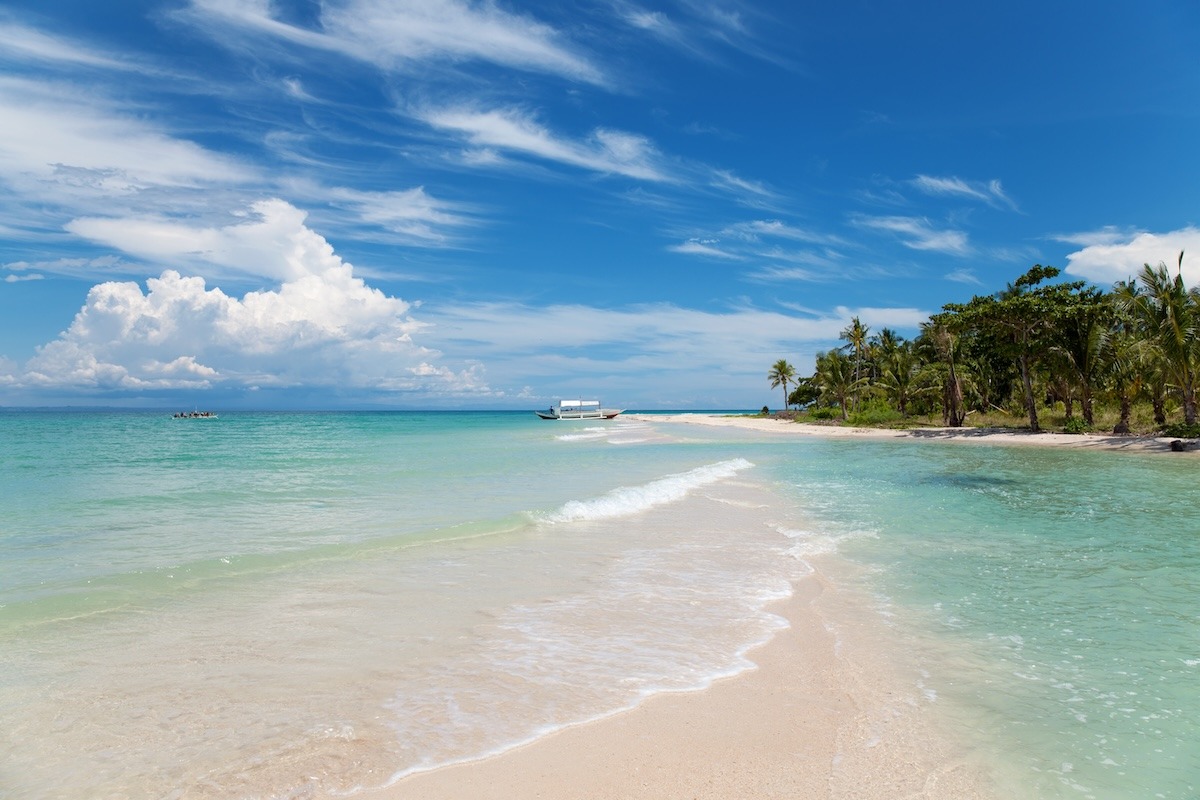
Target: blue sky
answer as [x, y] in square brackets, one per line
[458, 204]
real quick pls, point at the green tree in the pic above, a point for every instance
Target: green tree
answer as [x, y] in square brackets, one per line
[941, 336]
[806, 393]
[898, 377]
[1022, 317]
[782, 373]
[855, 335]
[836, 379]
[1169, 316]
[1085, 324]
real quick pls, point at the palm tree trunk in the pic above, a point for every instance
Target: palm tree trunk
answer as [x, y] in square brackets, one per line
[1159, 402]
[1030, 401]
[1122, 425]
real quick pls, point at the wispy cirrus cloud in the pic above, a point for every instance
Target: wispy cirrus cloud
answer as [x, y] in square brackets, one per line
[68, 140]
[515, 131]
[21, 43]
[918, 233]
[776, 229]
[990, 192]
[964, 276]
[779, 251]
[403, 34]
[708, 248]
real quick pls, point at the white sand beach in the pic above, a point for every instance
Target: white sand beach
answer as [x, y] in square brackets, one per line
[1000, 436]
[822, 716]
[826, 713]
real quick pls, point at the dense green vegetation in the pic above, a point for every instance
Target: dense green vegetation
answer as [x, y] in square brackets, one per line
[1038, 354]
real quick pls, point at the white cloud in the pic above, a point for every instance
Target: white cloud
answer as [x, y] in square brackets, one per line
[1108, 256]
[272, 243]
[23, 43]
[725, 179]
[775, 229]
[321, 327]
[57, 137]
[703, 247]
[647, 354]
[397, 34]
[990, 192]
[412, 212]
[606, 151]
[918, 233]
[964, 276]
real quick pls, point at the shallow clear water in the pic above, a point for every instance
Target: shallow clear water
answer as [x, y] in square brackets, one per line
[1050, 597]
[266, 604]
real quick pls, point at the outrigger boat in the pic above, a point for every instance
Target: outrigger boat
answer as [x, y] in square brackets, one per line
[578, 409]
[194, 415]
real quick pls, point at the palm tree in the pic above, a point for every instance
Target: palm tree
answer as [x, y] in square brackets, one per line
[1122, 363]
[1082, 333]
[836, 379]
[944, 340]
[782, 373]
[898, 377]
[855, 335]
[1169, 315]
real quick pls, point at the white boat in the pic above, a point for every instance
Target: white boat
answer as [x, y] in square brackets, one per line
[578, 409]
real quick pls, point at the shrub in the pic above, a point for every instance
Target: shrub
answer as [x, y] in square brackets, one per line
[823, 412]
[1182, 431]
[875, 412]
[1076, 425]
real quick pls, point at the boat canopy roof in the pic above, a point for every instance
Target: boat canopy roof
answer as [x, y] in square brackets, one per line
[578, 403]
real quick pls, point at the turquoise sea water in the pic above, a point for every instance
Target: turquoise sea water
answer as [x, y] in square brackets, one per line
[294, 604]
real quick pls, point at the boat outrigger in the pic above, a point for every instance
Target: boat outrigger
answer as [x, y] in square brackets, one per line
[578, 409]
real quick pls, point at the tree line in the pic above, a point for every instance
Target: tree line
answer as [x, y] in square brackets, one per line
[1034, 345]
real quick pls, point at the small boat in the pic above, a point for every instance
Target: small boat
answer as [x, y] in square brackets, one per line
[194, 415]
[578, 409]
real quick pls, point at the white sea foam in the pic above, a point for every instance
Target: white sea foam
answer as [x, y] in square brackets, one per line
[587, 434]
[629, 500]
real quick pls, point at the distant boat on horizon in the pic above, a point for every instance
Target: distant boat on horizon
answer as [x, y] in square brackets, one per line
[194, 415]
[578, 409]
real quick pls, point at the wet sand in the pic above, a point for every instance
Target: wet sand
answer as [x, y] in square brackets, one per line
[828, 712]
[824, 714]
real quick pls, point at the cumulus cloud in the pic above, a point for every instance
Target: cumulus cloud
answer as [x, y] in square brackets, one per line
[319, 327]
[270, 241]
[1108, 255]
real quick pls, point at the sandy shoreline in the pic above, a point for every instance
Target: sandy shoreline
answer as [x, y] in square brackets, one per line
[820, 716]
[827, 712]
[1093, 441]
